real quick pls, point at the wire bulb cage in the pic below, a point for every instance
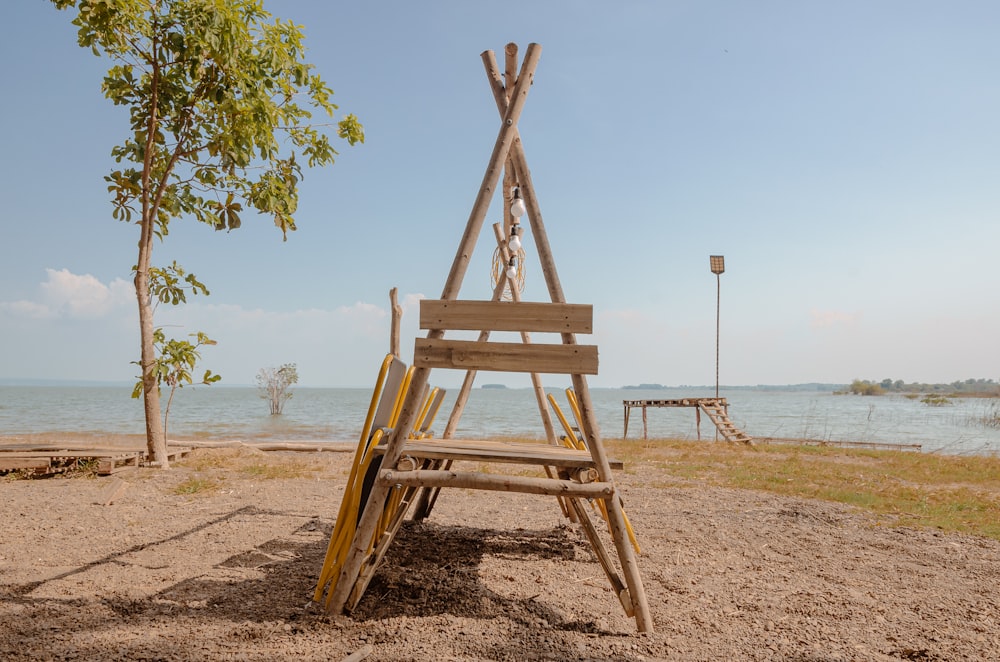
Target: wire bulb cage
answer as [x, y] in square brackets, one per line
[500, 271]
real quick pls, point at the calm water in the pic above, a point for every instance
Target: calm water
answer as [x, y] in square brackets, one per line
[337, 414]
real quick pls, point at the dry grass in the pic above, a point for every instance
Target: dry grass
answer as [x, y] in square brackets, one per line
[215, 466]
[952, 493]
[251, 462]
[948, 492]
[220, 458]
[196, 485]
[269, 470]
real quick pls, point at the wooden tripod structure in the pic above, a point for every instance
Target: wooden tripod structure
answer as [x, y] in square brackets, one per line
[413, 471]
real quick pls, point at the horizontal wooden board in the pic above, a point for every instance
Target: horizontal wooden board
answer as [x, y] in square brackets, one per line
[61, 460]
[479, 481]
[505, 357]
[79, 454]
[530, 316]
[675, 402]
[108, 460]
[489, 450]
[14, 462]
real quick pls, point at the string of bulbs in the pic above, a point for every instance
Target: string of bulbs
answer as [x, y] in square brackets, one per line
[514, 268]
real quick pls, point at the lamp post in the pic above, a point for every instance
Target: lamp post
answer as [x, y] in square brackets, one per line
[718, 265]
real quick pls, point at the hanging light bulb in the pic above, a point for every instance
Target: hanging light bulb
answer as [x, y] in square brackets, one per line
[512, 269]
[515, 240]
[517, 204]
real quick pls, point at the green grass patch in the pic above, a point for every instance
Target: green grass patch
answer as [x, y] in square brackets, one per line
[952, 493]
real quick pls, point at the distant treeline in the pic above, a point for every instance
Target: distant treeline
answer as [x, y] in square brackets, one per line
[968, 387]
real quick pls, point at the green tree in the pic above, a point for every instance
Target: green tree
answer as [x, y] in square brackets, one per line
[274, 385]
[220, 104]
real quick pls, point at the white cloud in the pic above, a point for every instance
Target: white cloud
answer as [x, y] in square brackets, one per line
[27, 310]
[411, 303]
[82, 296]
[68, 295]
[364, 315]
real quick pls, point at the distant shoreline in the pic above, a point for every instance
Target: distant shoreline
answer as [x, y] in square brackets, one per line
[72, 383]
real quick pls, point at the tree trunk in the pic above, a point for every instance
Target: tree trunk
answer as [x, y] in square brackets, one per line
[156, 443]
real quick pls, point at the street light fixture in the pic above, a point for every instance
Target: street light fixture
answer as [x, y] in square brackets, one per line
[718, 265]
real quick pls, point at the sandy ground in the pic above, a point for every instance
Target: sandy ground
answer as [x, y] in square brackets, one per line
[228, 574]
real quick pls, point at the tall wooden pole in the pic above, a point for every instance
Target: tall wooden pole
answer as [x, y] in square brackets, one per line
[616, 516]
[365, 531]
[508, 132]
[718, 298]
[395, 315]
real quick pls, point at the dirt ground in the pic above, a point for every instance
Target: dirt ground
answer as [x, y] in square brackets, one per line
[228, 573]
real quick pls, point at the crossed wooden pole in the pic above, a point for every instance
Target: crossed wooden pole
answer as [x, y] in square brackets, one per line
[508, 157]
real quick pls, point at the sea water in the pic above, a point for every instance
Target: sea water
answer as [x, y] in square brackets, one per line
[325, 414]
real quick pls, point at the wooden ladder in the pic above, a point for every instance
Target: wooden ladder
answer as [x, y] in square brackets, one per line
[717, 412]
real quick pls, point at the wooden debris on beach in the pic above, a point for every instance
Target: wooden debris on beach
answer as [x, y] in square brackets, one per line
[359, 654]
[298, 446]
[43, 460]
[873, 445]
[51, 461]
[113, 491]
[46, 458]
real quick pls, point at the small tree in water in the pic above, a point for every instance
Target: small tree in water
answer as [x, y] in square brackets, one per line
[274, 385]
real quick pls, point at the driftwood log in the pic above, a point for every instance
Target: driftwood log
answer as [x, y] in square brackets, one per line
[331, 446]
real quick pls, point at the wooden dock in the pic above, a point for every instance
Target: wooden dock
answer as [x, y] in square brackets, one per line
[717, 410]
[51, 460]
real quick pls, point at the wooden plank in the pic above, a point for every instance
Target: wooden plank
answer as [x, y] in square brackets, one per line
[300, 446]
[485, 450]
[390, 391]
[505, 357]
[478, 481]
[62, 453]
[526, 316]
[107, 462]
[113, 491]
[14, 462]
[616, 517]
[107, 465]
[883, 445]
[676, 402]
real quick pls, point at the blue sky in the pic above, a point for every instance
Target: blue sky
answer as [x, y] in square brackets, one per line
[843, 156]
